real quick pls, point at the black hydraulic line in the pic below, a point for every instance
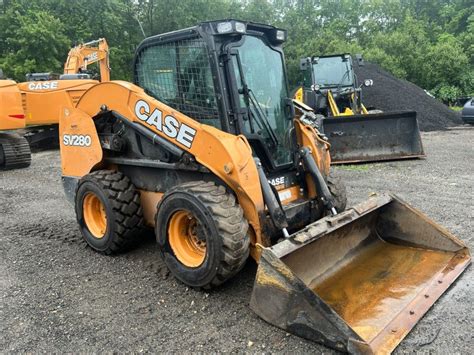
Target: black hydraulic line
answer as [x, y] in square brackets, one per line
[276, 212]
[321, 187]
[155, 138]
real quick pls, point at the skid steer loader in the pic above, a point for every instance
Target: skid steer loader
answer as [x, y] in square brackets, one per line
[356, 134]
[29, 111]
[207, 149]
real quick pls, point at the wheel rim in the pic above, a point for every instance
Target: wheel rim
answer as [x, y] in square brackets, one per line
[184, 239]
[95, 216]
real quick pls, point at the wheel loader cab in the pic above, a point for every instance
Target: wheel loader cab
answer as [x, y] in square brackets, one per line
[227, 74]
[332, 73]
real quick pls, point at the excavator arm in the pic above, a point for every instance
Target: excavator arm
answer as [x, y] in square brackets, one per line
[86, 54]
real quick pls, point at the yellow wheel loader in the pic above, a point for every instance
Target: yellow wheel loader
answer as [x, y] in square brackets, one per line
[29, 111]
[207, 148]
[356, 134]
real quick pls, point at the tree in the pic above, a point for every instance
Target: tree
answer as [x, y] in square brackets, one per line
[32, 41]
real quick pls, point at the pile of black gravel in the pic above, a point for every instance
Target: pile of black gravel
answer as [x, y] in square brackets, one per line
[392, 94]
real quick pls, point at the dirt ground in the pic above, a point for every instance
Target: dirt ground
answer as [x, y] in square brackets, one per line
[57, 295]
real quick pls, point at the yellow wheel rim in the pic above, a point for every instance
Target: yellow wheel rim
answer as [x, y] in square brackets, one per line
[95, 216]
[184, 241]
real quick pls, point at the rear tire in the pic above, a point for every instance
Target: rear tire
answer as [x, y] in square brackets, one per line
[202, 234]
[108, 210]
[338, 191]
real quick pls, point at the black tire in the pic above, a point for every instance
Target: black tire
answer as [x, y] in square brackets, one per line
[338, 191]
[219, 221]
[15, 151]
[121, 202]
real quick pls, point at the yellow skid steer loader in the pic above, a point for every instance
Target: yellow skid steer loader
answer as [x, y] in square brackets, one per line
[356, 133]
[206, 148]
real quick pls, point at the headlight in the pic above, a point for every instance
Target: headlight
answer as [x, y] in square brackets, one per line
[280, 35]
[224, 27]
[240, 27]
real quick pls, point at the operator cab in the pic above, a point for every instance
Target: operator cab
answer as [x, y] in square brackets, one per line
[227, 74]
[331, 72]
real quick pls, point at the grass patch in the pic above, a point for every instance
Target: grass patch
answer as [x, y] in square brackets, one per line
[456, 108]
[354, 167]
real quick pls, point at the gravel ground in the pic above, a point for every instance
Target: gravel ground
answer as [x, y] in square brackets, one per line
[57, 295]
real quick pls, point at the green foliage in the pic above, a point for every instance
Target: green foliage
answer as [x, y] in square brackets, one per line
[430, 43]
[31, 41]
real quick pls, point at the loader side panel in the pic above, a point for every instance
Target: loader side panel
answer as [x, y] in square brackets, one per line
[80, 146]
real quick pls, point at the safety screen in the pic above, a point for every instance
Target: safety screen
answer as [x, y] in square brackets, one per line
[179, 75]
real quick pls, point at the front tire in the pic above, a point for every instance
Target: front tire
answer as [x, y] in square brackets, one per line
[202, 234]
[338, 192]
[108, 210]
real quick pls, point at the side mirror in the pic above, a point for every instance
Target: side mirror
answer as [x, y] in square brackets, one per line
[304, 63]
[360, 60]
[368, 82]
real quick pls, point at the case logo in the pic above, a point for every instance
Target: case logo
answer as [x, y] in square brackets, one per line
[43, 85]
[277, 181]
[169, 125]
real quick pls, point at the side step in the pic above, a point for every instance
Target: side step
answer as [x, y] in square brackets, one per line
[15, 151]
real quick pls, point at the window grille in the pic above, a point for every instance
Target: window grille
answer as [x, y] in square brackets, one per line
[179, 75]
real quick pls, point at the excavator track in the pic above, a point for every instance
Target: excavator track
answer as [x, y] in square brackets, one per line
[15, 151]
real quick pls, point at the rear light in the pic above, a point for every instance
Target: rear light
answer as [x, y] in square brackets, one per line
[21, 116]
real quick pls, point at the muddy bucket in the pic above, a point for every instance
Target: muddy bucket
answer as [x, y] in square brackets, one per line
[358, 281]
[374, 137]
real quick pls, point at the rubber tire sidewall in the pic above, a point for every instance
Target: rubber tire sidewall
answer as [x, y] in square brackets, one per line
[99, 244]
[203, 274]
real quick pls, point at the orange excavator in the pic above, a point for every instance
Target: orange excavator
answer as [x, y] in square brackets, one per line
[29, 111]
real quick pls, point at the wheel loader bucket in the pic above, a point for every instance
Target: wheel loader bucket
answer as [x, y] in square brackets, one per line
[374, 137]
[358, 281]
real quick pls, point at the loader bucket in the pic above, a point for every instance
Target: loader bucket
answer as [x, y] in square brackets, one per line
[374, 137]
[358, 281]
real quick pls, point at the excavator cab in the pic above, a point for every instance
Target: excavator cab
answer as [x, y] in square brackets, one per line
[209, 150]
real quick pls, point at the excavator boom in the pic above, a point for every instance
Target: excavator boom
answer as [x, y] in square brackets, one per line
[86, 54]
